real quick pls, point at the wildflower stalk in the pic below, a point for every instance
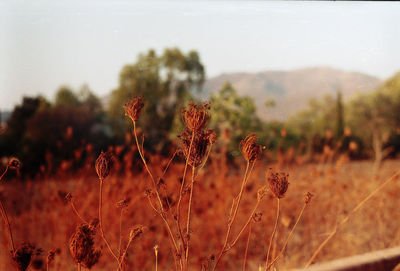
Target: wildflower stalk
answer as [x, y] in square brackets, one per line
[346, 219]
[162, 213]
[178, 206]
[120, 232]
[124, 254]
[189, 216]
[5, 217]
[171, 240]
[77, 213]
[245, 225]
[273, 233]
[232, 219]
[101, 221]
[4, 173]
[156, 254]
[289, 236]
[4, 214]
[246, 250]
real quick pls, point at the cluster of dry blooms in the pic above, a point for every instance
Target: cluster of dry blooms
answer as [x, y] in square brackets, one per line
[176, 214]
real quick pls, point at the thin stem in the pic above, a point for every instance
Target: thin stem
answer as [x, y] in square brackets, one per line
[168, 164]
[289, 236]
[101, 221]
[124, 254]
[273, 233]
[178, 206]
[120, 232]
[246, 176]
[188, 216]
[344, 220]
[156, 260]
[79, 267]
[5, 217]
[4, 173]
[205, 160]
[77, 213]
[247, 249]
[156, 190]
[245, 225]
[169, 229]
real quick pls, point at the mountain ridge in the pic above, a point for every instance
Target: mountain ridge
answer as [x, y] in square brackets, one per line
[291, 90]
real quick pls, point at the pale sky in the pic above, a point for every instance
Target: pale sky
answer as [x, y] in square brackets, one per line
[46, 44]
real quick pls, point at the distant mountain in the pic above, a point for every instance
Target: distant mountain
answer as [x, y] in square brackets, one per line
[291, 90]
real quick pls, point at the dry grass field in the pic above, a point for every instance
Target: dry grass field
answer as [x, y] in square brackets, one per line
[40, 215]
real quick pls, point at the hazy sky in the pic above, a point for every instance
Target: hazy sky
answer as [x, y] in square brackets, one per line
[45, 44]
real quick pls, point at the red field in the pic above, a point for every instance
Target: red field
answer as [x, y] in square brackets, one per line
[39, 214]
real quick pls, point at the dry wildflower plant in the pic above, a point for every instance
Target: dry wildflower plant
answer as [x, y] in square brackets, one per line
[178, 209]
[195, 146]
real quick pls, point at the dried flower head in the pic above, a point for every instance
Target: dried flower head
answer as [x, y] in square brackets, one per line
[104, 164]
[23, 255]
[133, 107]
[81, 246]
[68, 197]
[250, 149]
[278, 183]
[200, 144]
[50, 256]
[122, 204]
[307, 198]
[261, 193]
[136, 231]
[94, 223]
[196, 116]
[212, 137]
[14, 163]
[257, 217]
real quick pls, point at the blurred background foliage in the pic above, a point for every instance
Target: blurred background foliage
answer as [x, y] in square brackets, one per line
[77, 123]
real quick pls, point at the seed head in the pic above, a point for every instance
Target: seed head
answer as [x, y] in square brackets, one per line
[81, 246]
[257, 217]
[307, 198]
[14, 163]
[50, 256]
[201, 141]
[250, 149]
[133, 107]
[135, 232]
[104, 164]
[212, 137]
[196, 116]
[278, 183]
[122, 204]
[261, 193]
[94, 223]
[68, 197]
[23, 255]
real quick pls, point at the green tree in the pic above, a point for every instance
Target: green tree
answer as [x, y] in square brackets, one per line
[340, 115]
[373, 116]
[14, 142]
[66, 97]
[166, 82]
[235, 114]
[313, 122]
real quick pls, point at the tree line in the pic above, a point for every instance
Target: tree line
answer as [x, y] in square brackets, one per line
[40, 131]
